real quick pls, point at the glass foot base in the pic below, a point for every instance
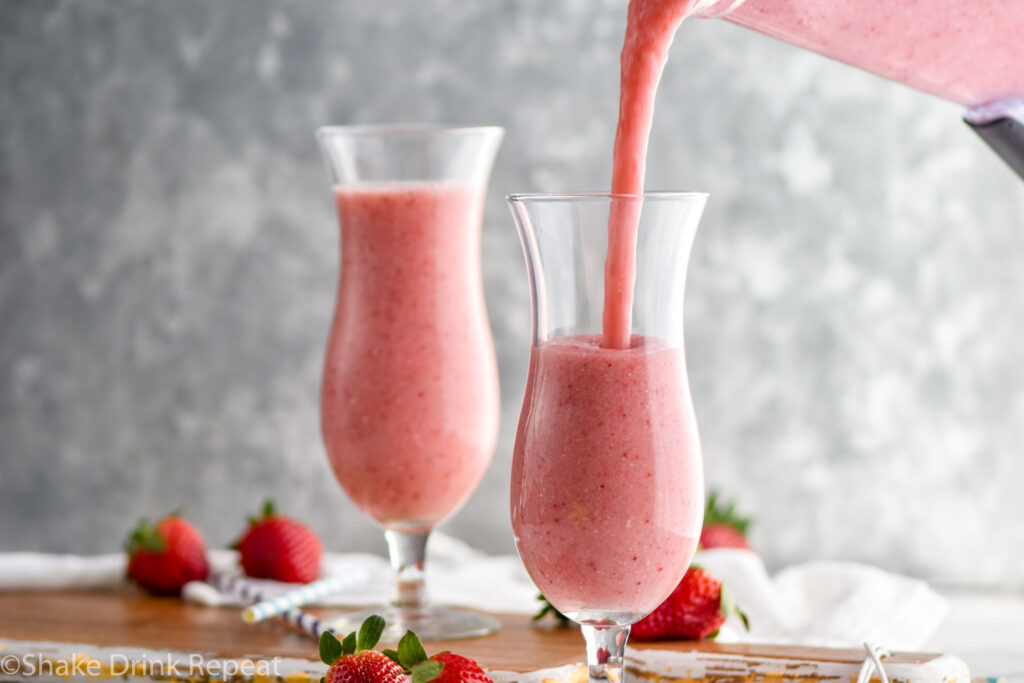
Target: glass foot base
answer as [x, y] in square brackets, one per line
[430, 623]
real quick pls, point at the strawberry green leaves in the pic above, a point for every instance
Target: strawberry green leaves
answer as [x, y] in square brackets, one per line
[332, 649]
[548, 608]
[348, 646]
[370, 632]
[145, 537]
[729, 607]
[413, 659]
[410, 650]
[426, 671]
[716, 512]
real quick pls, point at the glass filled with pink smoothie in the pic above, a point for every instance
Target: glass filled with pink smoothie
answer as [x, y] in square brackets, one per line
[607, 481]
[409, 397]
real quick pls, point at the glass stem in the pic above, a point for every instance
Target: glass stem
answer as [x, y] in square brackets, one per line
[407, 551]
[606, 644]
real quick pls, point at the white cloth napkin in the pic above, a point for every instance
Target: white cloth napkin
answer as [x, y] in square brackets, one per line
[38, 571]
[831, 604]
[820, 603]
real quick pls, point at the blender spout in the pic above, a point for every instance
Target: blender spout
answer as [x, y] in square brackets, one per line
[1001, 126]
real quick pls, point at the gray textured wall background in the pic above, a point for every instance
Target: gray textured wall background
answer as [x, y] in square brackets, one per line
[167, 267]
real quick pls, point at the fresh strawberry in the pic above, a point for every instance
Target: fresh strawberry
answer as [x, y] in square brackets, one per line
[723, 527]
[722, 536]
[280, 548]
[354, 660]
[445, 667]
[696, 609]
[459, 669]
[165, 557]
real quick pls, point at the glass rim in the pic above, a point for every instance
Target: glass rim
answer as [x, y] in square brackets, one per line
[580, 196]
[411, 129]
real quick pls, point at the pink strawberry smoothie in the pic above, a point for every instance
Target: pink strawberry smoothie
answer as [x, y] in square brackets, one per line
[607, 481]
[966, 52]
[409, 402]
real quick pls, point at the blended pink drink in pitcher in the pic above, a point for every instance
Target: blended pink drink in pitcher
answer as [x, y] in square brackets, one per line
[966, 52]
[607, 483]
[410, 388]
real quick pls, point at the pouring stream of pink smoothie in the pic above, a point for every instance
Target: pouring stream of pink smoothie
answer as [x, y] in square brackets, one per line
[650, 26]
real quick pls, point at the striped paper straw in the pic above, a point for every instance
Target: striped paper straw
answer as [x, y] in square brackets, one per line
[238, 586]
[280, 604]
[305, 622]
[246, 589]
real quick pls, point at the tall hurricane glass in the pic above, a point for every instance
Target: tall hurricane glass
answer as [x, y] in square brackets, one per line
[607, 479]
[409, 398]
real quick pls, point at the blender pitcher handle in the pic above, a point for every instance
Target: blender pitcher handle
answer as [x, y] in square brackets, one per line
[1001, 126]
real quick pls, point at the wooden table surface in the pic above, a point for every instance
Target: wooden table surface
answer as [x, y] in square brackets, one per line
[125, 618]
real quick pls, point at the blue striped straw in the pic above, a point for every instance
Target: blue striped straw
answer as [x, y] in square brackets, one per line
[238, 586]
[305, 622]
[285, 606]
[243, 588]
[279, 604]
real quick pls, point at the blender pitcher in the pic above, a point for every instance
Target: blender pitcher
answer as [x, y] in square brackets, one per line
[966, 52]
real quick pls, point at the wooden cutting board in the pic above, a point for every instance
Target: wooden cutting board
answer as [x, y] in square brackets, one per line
[96, 625]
